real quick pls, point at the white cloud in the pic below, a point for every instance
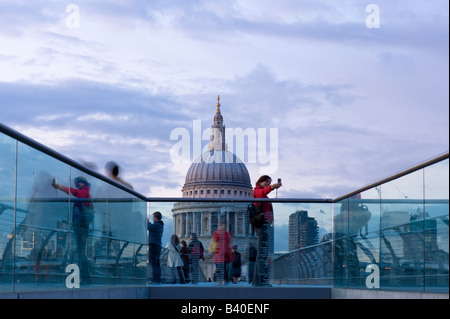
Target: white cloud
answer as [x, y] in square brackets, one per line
[99, 116]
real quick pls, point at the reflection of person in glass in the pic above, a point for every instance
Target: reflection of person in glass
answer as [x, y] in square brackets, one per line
[349, 230]
[82, 217]
[265, 233]
[112, 170]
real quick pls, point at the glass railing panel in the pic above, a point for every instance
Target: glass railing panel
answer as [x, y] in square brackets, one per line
[114, 236]
[203, 219]
[436, 223]
[42, 248]
[299, 254]
[403, 241]
[112, 207]
[140, 254]
[401, 233]
[356, 239]
[302, 242]
[340, 243]
[49, 238]
[390, 237]
[7, 198]
[125, 227]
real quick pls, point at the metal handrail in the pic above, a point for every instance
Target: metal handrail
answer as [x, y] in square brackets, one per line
[395, 176]
[240, 200]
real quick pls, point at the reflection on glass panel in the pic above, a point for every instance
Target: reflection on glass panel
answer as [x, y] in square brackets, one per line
[7, 183]
[139, 221]
[366, 214]
[104, 243]
[42, 239]
[402, 245]
[395, 236]
[436, 227]
[303, 249]
[54, 217]
[298, 245]
[340, 232]
[81, 221]
[199, 224]
[341, 219]
[356, 238]
[121, 224]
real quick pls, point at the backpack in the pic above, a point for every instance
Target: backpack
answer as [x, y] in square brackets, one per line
[255, 215]
[197, 251]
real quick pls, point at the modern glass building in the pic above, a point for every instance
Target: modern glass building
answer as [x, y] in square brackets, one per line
[389, 236]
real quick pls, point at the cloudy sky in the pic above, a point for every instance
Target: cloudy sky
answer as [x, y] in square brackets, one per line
[355, 92]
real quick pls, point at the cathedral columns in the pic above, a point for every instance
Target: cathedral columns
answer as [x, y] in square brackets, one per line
[194, 222]
[188, 224]
[196, 225]
[183, 225]
[191, 222]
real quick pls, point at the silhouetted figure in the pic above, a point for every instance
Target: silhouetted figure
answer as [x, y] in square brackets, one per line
[236, 264]
[155, 232]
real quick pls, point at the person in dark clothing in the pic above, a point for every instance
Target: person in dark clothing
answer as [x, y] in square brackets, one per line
[155, 232]
[252, 253]
[186, 260]
[235, 264]
[196, 250]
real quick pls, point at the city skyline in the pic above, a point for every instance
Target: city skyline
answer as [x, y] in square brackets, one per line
[111, 81]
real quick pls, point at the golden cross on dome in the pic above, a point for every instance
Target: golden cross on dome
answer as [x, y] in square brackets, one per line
[218, 105]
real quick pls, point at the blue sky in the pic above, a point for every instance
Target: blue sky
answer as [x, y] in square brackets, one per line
[352, 104]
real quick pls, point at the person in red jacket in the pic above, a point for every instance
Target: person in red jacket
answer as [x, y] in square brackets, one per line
[222, 254]
[82, 190]
[265, 234]
[82, 217]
